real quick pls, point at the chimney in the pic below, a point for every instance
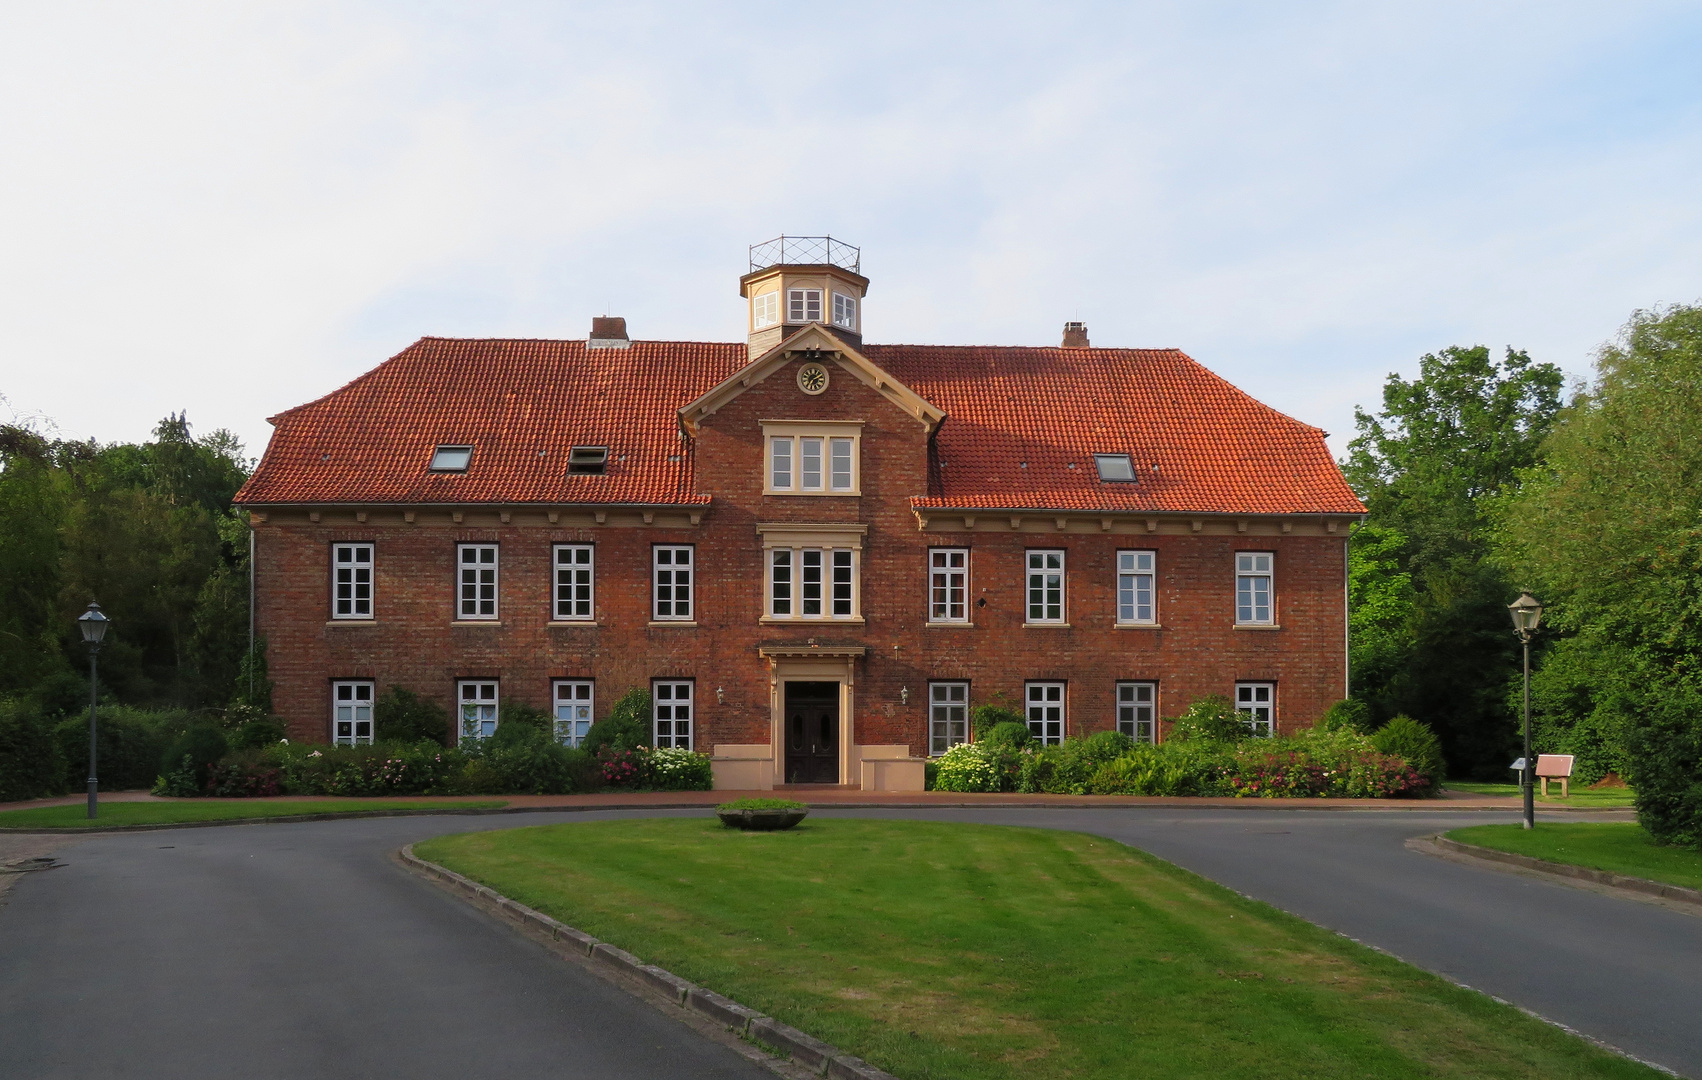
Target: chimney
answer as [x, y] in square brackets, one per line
[608, 332]
[1075, 335]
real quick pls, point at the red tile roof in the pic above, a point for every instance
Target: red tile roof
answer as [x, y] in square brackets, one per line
[522, 404]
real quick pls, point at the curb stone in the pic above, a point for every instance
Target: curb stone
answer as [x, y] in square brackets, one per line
[818, 1057]
[1643, 887]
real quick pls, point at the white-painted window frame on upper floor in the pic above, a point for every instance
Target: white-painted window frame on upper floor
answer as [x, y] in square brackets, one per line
[811, 458]
[351, 580]
[1045, 587]
[948, 585]
[1255, 588]
[765, 310]
[803, 305]
[574, 586]
[477, 582]
[845, 310]
[1137, 592]
[673, 582]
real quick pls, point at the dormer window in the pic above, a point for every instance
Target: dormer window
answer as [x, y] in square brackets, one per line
[1115, 468]
[803, 305]
[451, 458]
[587, 460]
[765, 310]
[845, 311]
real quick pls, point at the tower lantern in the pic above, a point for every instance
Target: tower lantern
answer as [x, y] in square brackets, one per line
[795, 281]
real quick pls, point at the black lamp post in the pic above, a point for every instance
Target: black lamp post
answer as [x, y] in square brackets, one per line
[93, 625]
[1527, 613]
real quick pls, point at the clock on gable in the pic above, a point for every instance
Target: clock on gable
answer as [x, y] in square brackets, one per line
[812, 378]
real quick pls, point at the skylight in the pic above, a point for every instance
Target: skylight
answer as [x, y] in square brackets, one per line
[587, 460]
[451, 458]
[1115, 468]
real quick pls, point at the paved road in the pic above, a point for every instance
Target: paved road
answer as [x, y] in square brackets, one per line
[302, 950]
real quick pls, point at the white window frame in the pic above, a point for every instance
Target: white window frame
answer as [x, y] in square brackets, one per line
[1257, 702]
[478, 705]
[352, 566]
[844, 310]
[765, 309]
[1051, 584]
[836, 449]
[803, 305]
[1137, 588]
[350, 696]
[573, 709]
[665, 574]
[1255, 588]
[1043, 705]
[805, 564]
[574, 583]
[948, 716]
[1137, 710]
[476, 587]
[948, 585]
[666, 696]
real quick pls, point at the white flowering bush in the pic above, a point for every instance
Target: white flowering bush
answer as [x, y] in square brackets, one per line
[966, 767]
[674, 769]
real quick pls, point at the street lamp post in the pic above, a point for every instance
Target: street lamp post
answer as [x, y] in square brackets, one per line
[1527, 613]
[93, 625]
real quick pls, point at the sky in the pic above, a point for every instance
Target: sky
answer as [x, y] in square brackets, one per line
[231, 209]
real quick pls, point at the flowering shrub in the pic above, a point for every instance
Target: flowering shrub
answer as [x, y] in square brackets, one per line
[625, 768]
[244, 775]
[1323, 764]
[681, 770]
[966, 767]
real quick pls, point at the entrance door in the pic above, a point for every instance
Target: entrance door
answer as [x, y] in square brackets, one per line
[812, 733]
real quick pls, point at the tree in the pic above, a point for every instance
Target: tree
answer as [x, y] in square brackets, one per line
[1431, 624]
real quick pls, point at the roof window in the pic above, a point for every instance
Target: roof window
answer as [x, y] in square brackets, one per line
[1115, 468]
[451, 458]
[587, 460]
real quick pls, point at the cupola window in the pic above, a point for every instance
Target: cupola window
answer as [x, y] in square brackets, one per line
[765, 310]
[845, 311]
[803, 305]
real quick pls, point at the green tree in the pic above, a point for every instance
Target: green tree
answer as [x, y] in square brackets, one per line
[1435, 640]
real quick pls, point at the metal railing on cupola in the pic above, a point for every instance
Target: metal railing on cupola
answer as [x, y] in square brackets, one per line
[808, 250]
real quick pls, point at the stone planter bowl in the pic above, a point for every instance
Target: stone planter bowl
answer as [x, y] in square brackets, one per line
[761, 820]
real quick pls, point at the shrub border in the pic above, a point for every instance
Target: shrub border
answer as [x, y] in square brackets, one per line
[1630, 888]
[807, 1052]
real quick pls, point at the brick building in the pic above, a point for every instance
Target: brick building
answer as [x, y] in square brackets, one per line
[817, 553]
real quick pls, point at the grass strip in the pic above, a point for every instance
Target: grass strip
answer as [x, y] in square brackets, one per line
[76, 815]
[1617, 848]
[1581, 796]
[969, 951]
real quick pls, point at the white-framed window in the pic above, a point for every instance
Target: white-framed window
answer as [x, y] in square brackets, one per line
[1045, 711]
[575, 600]
[573, 699]
[351, 713]
[765, 309]
[780, 463]
[803, 305]
[845, 311]
[1045, 586]
[476, 567]
[673, 713]
[351, 581]
[478, 700]
[1253, 587]
[672, 577]
[812, 582]
[1137, 710]
[1135, 586]
[948, 716]
[948, 585]
[812, 459]
[1257, 702]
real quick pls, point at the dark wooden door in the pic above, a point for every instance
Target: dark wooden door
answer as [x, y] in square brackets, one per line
[812, 733]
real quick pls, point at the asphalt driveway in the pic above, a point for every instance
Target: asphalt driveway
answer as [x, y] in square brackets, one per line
[304, 950]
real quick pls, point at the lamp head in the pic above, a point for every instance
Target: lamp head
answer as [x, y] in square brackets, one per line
[93, 624]
[1527, 614]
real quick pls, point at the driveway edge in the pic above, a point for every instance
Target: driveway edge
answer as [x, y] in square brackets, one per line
[806, 1055]
[1629, 888]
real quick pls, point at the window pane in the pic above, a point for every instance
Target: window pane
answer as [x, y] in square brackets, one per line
[810, 463]
[841, 473]
[948, 716]
[812, 581]
[842, 583]
[781, 582]
[780, 464]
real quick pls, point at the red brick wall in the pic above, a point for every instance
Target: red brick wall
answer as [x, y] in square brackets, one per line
[412, 642]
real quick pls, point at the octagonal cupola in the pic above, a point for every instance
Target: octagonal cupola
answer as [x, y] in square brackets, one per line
[798, 281]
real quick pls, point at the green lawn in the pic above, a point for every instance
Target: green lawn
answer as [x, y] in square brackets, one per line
[1620, 796]
[966, 951]
[1620, 849]
[177, 813]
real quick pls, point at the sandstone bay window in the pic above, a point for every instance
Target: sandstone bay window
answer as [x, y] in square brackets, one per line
[1135, 587]
[351, 713]
[1045, 712]
[351, 581]
[671, 582]
[1137, 710]
[672, 713]
[478, 700]
[1045, 587]
[476, 581]
[1256, 702]
[573, 699]
[1253, 588]
[948, 585]
[948, 716]
[574, 601]
[804, 458]
[813, 572]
